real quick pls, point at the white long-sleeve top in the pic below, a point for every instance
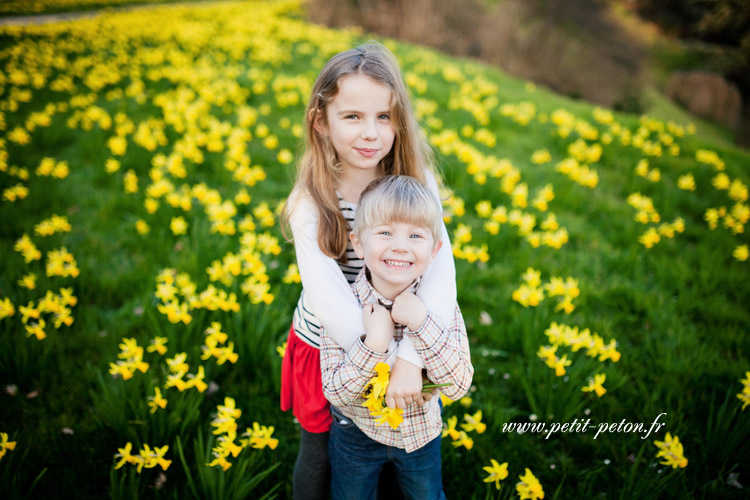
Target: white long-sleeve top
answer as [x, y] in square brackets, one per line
[327, 295]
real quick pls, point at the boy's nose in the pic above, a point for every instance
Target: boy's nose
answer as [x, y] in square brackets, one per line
[399, 245]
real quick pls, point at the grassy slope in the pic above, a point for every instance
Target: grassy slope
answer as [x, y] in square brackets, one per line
[13, 8]
[678, 311]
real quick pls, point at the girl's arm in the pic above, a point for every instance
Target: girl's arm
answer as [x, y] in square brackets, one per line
[438, 287]
[328, 293]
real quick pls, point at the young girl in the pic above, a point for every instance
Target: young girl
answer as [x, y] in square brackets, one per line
[359, 126]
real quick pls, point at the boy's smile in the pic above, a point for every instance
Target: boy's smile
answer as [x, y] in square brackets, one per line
[396, 254]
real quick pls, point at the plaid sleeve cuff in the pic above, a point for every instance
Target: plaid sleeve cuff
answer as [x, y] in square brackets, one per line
[364, 358]
[426, 335]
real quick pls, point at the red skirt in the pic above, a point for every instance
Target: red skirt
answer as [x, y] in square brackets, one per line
[301, 386]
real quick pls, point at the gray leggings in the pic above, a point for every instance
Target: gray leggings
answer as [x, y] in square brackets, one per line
[312, 471]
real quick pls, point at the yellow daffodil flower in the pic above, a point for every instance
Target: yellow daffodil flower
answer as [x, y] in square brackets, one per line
[449, 428]
[125, 456]
[529, 488]
[671, 451]
[741, 253]
[463, 440]
[156, 401]
[158, 344]
[28, 281]
[596, 384]
[497, 472]
[6, 308]
[281, 350]
[474, 423]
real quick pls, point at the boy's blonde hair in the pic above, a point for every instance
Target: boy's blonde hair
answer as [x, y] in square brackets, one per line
[319, 169]
[398, 198]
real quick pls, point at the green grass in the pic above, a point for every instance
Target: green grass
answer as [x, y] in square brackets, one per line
[678, 311]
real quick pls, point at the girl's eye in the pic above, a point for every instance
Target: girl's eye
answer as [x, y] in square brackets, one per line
[350, 117]
[384, 117]
[385, 233]
[415, 236]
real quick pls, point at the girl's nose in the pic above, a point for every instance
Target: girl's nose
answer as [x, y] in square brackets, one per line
[369, 132]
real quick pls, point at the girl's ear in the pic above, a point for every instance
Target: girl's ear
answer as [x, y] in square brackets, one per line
[318, 122]
[357, 245]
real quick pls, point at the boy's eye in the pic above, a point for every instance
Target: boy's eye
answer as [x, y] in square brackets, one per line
[385, 233]
[415, 236]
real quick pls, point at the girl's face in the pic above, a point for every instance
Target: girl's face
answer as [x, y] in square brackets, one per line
[359, 123]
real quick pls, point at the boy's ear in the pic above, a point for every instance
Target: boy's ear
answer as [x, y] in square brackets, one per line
[357, 245]
[436, 248]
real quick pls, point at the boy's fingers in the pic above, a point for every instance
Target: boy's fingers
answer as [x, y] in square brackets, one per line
[390, 401]
[395, 402]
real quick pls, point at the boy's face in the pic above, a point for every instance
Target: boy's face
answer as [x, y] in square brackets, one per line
[396, 253]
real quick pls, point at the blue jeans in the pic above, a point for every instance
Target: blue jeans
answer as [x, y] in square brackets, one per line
[356, 461]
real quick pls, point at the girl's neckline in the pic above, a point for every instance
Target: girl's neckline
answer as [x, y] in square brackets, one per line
[341, 199]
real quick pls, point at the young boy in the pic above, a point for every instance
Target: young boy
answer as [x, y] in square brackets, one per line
[397, 226]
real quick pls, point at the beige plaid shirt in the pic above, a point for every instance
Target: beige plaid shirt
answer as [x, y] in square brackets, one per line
[445, 351]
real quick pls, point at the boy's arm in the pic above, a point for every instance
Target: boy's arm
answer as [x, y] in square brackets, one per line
[345, 374]
[445, 350]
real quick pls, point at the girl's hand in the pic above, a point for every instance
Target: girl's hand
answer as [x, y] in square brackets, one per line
[405, 386]
[409, 310]
[378, 327]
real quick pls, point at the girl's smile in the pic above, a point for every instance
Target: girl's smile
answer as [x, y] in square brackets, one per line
[368, 153]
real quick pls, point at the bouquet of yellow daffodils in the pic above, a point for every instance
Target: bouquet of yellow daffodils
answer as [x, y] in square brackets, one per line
[374, 394]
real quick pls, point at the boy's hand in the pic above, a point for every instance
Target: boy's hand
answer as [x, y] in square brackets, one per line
[409, 310]
[405, 386]
[427, 396]
[378, 327]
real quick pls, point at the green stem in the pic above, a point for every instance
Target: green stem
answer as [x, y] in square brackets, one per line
[429, 387]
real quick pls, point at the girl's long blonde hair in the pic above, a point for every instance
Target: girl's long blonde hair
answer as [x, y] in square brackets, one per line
[319, 170]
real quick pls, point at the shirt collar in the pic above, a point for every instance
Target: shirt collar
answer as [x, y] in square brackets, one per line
[368, 295]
